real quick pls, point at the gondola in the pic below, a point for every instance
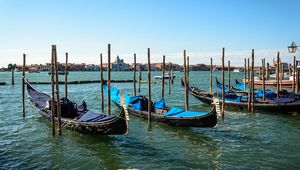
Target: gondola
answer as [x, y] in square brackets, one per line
[237, 90]
[79, 118]
[163, 114]
[278, 105]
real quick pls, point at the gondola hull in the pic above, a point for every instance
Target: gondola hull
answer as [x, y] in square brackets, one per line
[292, 107]
[116, 125]
[208, 120]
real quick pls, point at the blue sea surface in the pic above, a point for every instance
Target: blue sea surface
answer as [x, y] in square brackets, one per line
[242, 141]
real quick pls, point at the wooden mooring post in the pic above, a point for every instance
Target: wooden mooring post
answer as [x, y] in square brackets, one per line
[108, 82]
[58, 112]
[229, 84]
[185, 81]
[149, 87]
[263, 78]
[277, 74]
[210, 77]
[163, 78]
[223, 85]
[169, 74]
[101, 83]
[294, 75]
[23, 84]
[252, 83]
[245, 73]
[53, 110]
[66, 76]
[134, 74]
[249, 87]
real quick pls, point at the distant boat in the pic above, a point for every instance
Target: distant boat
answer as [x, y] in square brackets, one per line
[59, 73]
[166, 76]
[236, 70]
[33, 71]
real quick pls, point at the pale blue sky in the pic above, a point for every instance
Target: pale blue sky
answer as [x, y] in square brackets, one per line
[202, 27]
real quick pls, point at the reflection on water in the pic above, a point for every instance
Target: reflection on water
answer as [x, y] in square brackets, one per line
[243, 140]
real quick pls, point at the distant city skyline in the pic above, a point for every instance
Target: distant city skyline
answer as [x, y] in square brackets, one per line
[83, 29]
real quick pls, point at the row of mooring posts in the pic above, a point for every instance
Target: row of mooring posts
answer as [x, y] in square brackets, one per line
[134, 80]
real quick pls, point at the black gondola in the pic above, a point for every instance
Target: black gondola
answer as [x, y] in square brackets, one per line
[278, 105]
[79, 119]
[171, 116]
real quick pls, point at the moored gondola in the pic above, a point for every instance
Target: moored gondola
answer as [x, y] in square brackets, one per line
[278, 105]
[137, 105]
[79, 118]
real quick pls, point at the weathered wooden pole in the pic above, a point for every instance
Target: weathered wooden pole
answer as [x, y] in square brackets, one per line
[58, 112]
[23, 85]
[280, 75]
[66, 76]
[101, 83]
[108, 81]
[277, 74]
[149, 87]
[140, 77]
[245, 73]
[229, 85]
[185, 81]
[297, 78]
[188, 69]
[134, 74]
[249, 87]
[53, 110]
[223, 84]
[13, 66]
[294, 75]
[252, 81]
[263, 78]
[248, 72]
[210, 80]
[163, 78]
[169, 74]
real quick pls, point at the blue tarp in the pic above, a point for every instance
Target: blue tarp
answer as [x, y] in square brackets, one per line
[219, 85]
[176, 112]
[93, 117]
[160, 104]
[135, 101]
[241, 86]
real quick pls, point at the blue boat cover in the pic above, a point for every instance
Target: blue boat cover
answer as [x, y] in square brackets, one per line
[160, 104]
[219, 85]
[176, 112]
[241, 86]
[93, 117]
[135, 101]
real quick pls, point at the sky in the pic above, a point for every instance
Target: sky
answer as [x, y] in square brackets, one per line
[84, 28]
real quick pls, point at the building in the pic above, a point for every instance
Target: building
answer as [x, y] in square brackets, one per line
[119, 65]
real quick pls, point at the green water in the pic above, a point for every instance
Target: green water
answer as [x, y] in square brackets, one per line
[242, 141]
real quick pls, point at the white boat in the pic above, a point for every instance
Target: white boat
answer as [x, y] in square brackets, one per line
[166, 76]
